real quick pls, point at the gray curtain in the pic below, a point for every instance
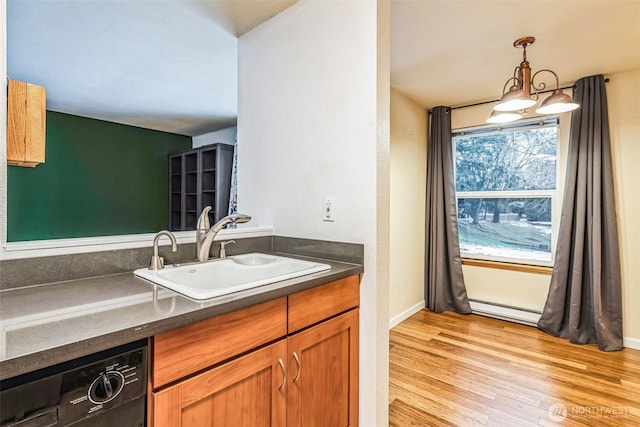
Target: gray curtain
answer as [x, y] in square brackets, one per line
[584, 302]
[444, 284]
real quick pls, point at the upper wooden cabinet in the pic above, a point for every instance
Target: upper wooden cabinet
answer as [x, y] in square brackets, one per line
[26, 124]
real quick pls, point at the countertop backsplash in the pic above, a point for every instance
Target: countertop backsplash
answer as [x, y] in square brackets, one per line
[50, 269]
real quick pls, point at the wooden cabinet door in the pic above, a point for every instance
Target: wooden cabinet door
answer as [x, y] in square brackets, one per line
[245, 392]
[323, 385]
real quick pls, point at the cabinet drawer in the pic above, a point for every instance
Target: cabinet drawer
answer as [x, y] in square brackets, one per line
[319, 303]
[183, 351]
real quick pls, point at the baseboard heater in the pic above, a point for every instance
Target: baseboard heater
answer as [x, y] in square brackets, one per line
[502, 312]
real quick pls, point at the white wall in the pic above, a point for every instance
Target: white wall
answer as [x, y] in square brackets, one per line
[408, 189]
[226, 135]
[3, 122]
[515, 289]
[311, 93]
[378, 291]
[623, 96]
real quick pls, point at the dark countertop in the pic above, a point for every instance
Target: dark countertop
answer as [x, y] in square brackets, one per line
[47, 324]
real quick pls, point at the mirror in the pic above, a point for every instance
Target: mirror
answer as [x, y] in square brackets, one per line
[165, 71]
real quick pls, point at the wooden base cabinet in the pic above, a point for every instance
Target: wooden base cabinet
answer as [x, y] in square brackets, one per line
[323, 374]
[248, 391]
[300, 370]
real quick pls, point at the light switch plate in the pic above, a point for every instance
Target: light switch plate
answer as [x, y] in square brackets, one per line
[328, 211]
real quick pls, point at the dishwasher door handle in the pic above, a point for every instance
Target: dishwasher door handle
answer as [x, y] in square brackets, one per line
[46, 418]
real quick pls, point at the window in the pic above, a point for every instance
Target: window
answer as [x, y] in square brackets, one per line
[506, 190]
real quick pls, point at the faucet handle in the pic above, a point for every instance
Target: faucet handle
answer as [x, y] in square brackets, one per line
[203, 219]
[223, 248]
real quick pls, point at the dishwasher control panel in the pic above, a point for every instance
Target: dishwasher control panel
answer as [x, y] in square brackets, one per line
[102, 385]
[101, 389]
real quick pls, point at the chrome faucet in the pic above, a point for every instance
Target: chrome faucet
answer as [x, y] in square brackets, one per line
[204, 238]
[157, 262]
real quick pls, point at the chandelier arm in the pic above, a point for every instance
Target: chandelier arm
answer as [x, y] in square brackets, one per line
[517, 76]
[516, 81]
[504, 88]
[542, 85]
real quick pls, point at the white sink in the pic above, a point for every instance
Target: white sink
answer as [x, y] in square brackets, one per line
[255, 259]
[236, 273]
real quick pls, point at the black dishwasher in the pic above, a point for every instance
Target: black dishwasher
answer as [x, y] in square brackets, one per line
[105, 389]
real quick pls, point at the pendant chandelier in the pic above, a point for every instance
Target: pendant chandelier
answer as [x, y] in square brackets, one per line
[523, 92]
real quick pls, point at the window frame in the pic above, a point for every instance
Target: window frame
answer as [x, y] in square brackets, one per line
[555, 194]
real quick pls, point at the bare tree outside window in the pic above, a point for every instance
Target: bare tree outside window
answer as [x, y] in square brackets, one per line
[506, 182]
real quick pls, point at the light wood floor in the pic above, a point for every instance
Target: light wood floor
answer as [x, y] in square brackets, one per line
[467, 370]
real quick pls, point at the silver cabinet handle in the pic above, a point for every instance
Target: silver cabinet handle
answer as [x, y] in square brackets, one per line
[295, 356]
[284, 374]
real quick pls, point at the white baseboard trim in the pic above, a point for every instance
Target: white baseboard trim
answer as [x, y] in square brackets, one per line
[505, 313]
[631, 343]
[499, 312]
[396, 320]
[527, 318]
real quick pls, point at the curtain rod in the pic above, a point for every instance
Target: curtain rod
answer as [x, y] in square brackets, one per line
[496, 100]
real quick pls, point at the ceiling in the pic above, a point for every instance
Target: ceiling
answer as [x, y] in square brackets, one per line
[172, 65]
[460, 52]
[169, 65]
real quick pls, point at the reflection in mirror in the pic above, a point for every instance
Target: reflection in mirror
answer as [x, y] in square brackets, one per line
[128, 84]
[99, 178]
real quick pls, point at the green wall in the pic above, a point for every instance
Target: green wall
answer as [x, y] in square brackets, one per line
[99, 179]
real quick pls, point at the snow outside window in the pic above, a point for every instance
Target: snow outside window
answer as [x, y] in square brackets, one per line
[506, 189]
